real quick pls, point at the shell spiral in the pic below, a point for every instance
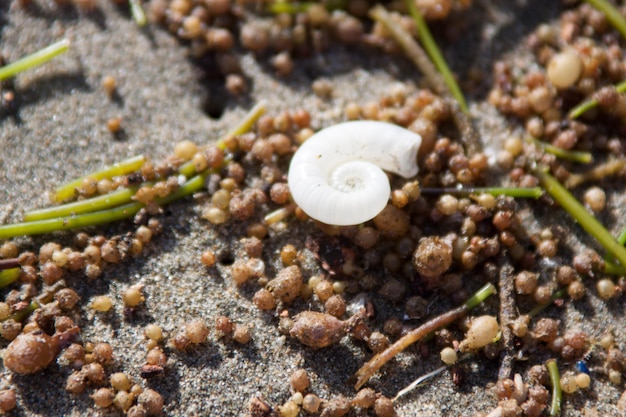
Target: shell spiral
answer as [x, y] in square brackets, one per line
[337, 177]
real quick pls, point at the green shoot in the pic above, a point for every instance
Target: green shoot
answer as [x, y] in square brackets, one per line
[436, 323]
[590, 104]
[114, 206]
[40, 57]
[578, 212]
[65, 223]
[103, 202]
[68, 190]
[516, 192]
[126, 211]
[435, 54]
[137, 12]
[9, 276]
[576, 156]
[555, 381]
[612, 14]
[614, 269]
[479, 296]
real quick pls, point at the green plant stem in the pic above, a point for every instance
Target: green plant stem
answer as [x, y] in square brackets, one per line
[103, 202]
[576, 156]
[9, 276]
[65, 223]
[68, 190]
[614, 269]
[555, 381]
[612, 14]
[578, 212]
[517, 192]
[559, 294]
[40, 57]
[435, 55]
[137, 12]
[590, 104]
[479, 296]
[96, 218]
[245, 125]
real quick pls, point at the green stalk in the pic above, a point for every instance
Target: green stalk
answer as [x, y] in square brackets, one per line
[126, 211]
[555, 381]
[578, 212]
[576, 156]
[612, 14]
[9, 276]
[121, 168]
[479, 296]
[137, 12]
[103, 202]
[590, 104]
[435, 55]
[516, 192]
[65, 223]
[40, 57]
[614, 269]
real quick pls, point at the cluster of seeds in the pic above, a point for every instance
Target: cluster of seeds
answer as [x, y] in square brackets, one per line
[304, 399]
[418, 247]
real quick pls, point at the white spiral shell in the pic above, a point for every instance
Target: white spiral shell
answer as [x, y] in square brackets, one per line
[336, 176]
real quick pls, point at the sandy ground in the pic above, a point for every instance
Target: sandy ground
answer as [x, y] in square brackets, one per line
[59, 133]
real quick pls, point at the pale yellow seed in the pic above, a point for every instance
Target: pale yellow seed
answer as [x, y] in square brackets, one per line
[583, 380]
[289, 409]
[568, 384]
[606, 289]
[144, 234]
[339, 287]
[132, 297]
[102, 303]
[311, 403]
[482, 331]
[595, 198]
[615, 377]
[59, 258]
[185, 150]
[514, 145]
[564, 69]
[5, 310]
[449, 356]
[120, 381]
[486, 200]
[153, 332]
